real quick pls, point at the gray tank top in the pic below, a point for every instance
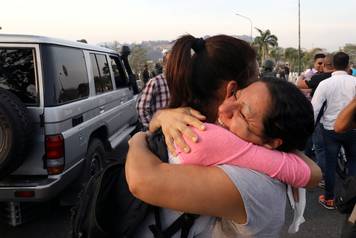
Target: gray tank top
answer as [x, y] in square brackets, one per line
[264, 199]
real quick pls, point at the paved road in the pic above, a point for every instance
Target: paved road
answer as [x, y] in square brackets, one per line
[319, 223]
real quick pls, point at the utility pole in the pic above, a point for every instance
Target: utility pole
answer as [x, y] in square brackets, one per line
[249, 19]
[299, 50]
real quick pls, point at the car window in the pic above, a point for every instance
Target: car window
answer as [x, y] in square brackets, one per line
[101, 72]
[66, 77]
[18, 73]
[120, 76]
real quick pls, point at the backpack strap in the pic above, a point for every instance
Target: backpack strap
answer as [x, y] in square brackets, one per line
[183, 223]
[321, 112]
[157, 228]
[157, 144]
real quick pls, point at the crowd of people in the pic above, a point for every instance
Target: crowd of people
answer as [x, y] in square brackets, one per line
[235, 137]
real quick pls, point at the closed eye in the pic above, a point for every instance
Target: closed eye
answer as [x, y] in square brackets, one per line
[243, 116]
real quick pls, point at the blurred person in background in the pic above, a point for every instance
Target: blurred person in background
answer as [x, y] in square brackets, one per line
[154, 96]
[337, 91]
[346, 120]
[268, 69]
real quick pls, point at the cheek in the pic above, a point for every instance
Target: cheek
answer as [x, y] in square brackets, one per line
[239, 128]
[225, 111]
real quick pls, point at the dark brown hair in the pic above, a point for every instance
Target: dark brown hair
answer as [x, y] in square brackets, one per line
[341, 61]
[290, 116]
[195, 76]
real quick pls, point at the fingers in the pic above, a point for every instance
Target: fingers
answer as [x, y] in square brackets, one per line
[175, 138]
[194, 122]
[170, 146]
[197, 114]
[175, 123]
[180, 143]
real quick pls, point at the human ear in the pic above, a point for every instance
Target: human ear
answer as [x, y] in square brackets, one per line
[273, 143]
[231, 88]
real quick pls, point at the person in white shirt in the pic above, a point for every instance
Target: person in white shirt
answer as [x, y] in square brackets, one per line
[337, 91]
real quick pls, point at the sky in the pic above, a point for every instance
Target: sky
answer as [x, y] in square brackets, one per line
[328, 24]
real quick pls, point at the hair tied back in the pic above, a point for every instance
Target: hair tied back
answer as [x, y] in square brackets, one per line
[198, 45]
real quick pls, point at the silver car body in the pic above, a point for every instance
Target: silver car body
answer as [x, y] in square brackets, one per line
[112, 115]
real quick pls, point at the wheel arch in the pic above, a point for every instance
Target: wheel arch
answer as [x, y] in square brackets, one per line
[101, 133]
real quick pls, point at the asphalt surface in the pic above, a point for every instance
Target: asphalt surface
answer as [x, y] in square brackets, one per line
[55, 222]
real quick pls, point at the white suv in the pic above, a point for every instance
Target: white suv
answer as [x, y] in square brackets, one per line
[62, 105]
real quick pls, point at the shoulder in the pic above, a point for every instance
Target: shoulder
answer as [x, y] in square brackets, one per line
[153, 81]
[213, 145]
[244, 178]
[261, 195]
[324, 84]
[255, 186]
[214, 133]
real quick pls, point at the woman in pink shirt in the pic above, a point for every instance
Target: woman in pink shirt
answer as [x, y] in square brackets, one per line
[231, 143]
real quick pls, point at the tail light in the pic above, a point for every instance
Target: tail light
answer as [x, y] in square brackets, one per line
[54, 154]
[24, 194]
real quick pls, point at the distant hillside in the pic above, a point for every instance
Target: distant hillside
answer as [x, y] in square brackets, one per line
[154, 48]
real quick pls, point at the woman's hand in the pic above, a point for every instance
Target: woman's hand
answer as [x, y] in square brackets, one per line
[175, 123]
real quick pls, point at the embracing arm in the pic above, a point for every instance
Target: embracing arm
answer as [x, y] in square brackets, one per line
[175, 123]
[315, 171]
[217, 145]
[185, 188]
[301, 83]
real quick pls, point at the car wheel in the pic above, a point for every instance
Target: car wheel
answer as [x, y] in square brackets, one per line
[94, 159]
[15, 132]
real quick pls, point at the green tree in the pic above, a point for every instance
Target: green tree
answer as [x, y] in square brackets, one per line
[277, 54]
[263, 42]
[137, 58]
[350, 49]
[291, 55]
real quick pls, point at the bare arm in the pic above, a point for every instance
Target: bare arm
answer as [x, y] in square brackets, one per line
[175, 122]
[301, 83]
[346, 118]
[181, 187]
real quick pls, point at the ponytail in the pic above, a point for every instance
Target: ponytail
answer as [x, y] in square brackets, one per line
[198, 68]
[179, 70]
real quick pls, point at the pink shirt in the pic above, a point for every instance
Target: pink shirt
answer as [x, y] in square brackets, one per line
[217, 145]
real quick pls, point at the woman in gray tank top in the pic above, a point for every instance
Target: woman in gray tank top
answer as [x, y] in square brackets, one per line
[247, 203]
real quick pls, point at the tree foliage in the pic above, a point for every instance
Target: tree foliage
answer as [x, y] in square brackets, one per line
[291, 56]
[263, 42]
[138, 58]
[350, 49]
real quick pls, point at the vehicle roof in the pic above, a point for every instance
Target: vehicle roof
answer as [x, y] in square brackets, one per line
[28, 39]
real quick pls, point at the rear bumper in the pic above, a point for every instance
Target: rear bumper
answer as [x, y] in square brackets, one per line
[43, 188]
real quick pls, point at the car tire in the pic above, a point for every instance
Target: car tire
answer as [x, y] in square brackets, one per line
[15, 132]
[94, 159]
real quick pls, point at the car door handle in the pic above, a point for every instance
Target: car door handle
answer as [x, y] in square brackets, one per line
[102, 109]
